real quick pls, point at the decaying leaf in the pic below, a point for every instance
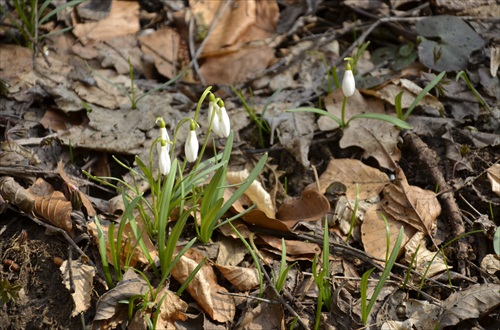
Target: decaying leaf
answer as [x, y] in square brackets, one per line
[74, 189]
[424, 257]
[413, 205]
[82, 276]
[256, 193]
[491, 263]
[311, 206]
[373, 233]
[294, 248]
[13, 193]
[243, 278]
[172, 309]
[263, 316]
[204, 287]
[422, 314]
[493, 174]
[472, 302]
[55, 209]
[131, 285]
[352, 172]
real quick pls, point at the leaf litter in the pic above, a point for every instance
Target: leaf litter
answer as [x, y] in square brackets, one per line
[69, 110]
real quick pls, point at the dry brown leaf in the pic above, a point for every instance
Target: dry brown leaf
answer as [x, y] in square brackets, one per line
[231, 252]
[471, 303]
[243, 278]
[82, 278]
[413, 205]
[256, 193]
[350, 172]
[108, 305]
[493, 174]
[293, 248]
[311, 206]
[165, 46]
[55, 209]
[204, 287]
[491, 263]
[264, 316]
[123, 19]
[13, 193]
[74, 189]
[373, 233]
[172, 309]
[259, 219]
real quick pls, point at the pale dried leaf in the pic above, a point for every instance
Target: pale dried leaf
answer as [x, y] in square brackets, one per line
[172, 309]
[243, 278]
[123, 19]
[424, 257]
[129, 286]
[204, 287]
[255, 192]
[165, 46]
[373, 233]
[293, 248]
[264, 316]
[471, 303]
[422, 314]
[493, 174]
[350, 172]
[82, 276]
[231, 251]
[491, 263]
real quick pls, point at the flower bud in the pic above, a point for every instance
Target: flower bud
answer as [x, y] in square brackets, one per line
[191, 146]
[164, 158]
[348, 83]
[224, 123]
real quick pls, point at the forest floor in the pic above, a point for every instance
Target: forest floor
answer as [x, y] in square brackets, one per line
[383, 224]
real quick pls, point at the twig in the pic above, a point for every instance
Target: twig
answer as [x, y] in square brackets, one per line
[250, 297]
[451, 211]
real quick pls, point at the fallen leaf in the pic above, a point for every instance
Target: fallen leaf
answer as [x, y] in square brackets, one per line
[172, 309]
[311, 206]
[131, 285]
[293, 248]
[55, 209]
[259, 219]
[491, 263]
[204, 287]
[422, 314]
[255, 192]
[82, 276]
[262, 317]
[352, 172]
[471, 303]
[425, 261]
[243, 278]
[373, 233]
[493, 174]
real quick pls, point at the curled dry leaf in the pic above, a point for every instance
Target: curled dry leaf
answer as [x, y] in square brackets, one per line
[424, 257]
[204, 287]
[16, 195]
[311, 206]
[256, 193]
[56, 210]
[350, 172]
[259, 219]
[293, 248]
[493, 174]
[85, 201]
[108, 305]
[243, 278]
[172, 309]
[471, 303]
[82, 277]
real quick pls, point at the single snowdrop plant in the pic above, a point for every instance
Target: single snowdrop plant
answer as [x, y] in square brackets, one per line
[191, 146]
[348, 89]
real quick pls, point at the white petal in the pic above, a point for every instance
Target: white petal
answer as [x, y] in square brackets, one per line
[164, 160]
[163, 136]
[214, 108]
[191, 147]
[348, 83]
[225, 124]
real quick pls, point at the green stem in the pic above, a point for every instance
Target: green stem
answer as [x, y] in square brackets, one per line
[344, 103]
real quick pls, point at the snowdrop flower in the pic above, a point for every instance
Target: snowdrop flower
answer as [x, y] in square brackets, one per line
[224, 123]
[213, 110]
[163, 148]
[191, 146]
[348, 83]
[164, 158]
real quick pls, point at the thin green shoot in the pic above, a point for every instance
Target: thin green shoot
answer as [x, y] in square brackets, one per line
[422, 94]
[480, 99]
[321, 278]
[284, 269]
[254, 257]
[102, 252]
[410, 267]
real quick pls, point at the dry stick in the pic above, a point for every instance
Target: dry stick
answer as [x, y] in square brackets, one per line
[276, 293]
[451, 210]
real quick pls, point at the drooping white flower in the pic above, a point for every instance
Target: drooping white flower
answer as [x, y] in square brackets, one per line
[348, 83]
[163, 135]
[191, 146]
[213, 110]
[224, 123]
[164, 158]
